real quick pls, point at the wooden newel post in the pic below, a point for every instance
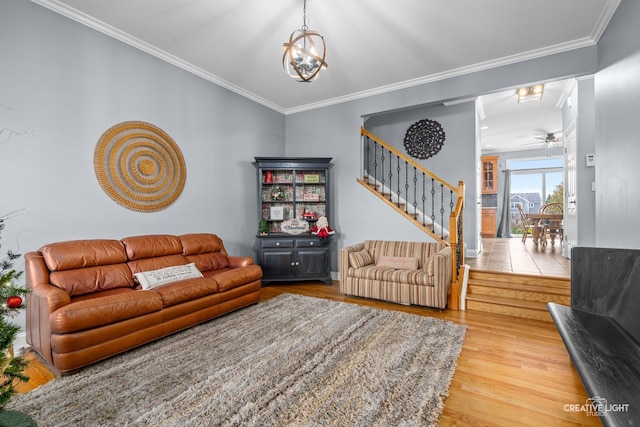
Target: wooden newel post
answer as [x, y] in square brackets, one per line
[457, 244]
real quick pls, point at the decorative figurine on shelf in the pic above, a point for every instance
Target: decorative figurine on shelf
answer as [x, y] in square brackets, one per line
[263, 227]
[322, 229]
[309, 216]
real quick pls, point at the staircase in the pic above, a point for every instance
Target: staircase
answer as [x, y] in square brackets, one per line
[518, 295]
[409, 211]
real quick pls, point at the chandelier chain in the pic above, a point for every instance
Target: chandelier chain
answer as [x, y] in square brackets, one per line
[304, 16]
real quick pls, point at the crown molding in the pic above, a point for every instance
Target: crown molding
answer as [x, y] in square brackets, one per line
[483, 66]
[102, 27]
[110, 31]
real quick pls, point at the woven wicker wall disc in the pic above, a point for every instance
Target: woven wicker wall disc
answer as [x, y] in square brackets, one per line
[139, 166]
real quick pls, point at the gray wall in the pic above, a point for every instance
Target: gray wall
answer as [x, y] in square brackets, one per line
[71, 84]
[617, 110]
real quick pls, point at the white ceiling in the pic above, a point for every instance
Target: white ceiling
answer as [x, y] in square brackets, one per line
[373, 46]
[512, 126]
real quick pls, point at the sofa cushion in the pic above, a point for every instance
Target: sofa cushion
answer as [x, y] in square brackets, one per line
[151, 279]
[234, 277]
[139, 247]
[186, 290]
[193, 244]
[210, 261]
[420, 250]
[398, 262]
[92, 279]
[103, 308]
[384, 274]
[82, 253]
[206, 250]
[360, 258]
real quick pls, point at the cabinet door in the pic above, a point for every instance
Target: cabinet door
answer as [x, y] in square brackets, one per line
[277, 264]
[312, 263]
[490, 175]
[488, 222]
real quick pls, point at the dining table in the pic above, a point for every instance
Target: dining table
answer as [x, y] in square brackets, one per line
[538, 220]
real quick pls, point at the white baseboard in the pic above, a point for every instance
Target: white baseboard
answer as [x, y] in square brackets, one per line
[20, 344]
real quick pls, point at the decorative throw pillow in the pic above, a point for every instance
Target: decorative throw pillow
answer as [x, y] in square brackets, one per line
[360, 258]
[398, 262]
[151, 279]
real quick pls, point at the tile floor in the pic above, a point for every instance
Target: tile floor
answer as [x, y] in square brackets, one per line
[511, 255]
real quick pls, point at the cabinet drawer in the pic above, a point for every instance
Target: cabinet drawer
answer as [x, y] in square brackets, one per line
[308, 243]
[268, 243]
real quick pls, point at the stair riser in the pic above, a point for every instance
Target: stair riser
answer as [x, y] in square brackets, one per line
[509, 311]
[518, 294]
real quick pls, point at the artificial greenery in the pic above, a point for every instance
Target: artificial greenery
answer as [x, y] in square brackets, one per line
[11, 368]
[263, 226]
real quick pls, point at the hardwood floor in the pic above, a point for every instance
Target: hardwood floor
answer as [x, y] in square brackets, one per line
[511, 371]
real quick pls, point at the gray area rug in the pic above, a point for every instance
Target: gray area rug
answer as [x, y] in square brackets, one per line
[289, 361]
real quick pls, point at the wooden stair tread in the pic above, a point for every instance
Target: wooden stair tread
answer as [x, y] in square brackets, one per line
[524, 281]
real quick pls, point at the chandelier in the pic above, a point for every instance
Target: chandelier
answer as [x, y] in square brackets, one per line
[305, 52]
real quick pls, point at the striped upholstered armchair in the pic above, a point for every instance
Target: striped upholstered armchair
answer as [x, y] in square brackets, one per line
[404, 272]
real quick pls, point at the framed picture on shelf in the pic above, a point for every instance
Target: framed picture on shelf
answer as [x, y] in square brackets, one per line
[277, 213]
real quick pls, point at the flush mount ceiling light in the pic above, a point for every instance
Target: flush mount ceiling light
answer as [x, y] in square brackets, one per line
[305, 52]
[531, 93]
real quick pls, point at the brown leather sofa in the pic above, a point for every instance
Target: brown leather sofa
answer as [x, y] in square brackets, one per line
[85, 304]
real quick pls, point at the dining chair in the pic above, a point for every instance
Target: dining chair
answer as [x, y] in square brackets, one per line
[552, 228]
[527, 226]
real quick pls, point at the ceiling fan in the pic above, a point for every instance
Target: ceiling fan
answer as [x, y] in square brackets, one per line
[549, 139]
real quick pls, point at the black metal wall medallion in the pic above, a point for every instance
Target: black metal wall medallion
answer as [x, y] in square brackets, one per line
[424, 139]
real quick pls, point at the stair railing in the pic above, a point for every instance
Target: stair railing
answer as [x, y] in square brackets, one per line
[427, 200]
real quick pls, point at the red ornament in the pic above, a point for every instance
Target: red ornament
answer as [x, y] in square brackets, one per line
[14, 302]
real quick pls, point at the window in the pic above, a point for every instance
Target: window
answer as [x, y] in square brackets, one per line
[538, 178]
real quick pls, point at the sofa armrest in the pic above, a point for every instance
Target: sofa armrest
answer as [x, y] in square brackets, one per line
[438, 265]
[51, 296]
[240, 261]
[43, 300]
[344, 259]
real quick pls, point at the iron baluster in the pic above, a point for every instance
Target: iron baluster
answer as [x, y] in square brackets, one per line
[441, 210]
[433, 206]
[415, 197]
[390, 177]
[424, 197]
[367, 166]
[398, 173]
[381, 171]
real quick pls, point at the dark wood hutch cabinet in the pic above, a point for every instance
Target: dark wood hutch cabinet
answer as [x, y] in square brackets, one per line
[293, 188]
